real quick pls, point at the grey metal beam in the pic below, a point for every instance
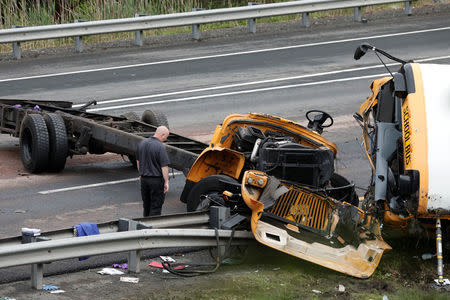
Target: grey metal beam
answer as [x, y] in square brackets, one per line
[79, 39]
[139, 34]
[17, 50]
[408, 8]
[305, 20]
[252, 21]
[187, 220]
[180, 19]
[54, 250]
[357, 14]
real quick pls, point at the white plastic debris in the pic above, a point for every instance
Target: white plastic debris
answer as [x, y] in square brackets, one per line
[426, 256]
[341, 288]
[446, 281]
[129, 279]
[31, 231]
[167, 259]
[317, 291]
[57, 292]
[110, 271]
[385, 297]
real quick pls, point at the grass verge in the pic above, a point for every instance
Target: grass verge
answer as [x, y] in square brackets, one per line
[36, 13]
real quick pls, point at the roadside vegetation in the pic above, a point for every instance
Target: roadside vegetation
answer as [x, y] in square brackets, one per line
[269, 274]
[47, 12]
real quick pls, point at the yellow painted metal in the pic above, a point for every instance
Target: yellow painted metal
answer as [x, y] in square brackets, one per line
[318, 212]
[219, 158]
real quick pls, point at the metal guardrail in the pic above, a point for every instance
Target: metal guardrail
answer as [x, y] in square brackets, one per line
[54, 250]
[194, 18]
[124, 235]
[188, 220]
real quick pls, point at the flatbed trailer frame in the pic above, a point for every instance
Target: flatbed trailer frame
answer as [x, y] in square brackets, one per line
[51, 131]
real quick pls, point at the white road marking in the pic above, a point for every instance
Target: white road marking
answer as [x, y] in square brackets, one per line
[238, 92]
[80, 187]
[228, 54]
[250, 83]
[236, 85]
[253, 83]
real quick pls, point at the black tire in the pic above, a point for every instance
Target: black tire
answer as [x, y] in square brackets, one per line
[347, 193]
[96, 147]
[155, 118]
[210, 184]
[133, 161]
[34, 143]
[59, 146]
[131, 115]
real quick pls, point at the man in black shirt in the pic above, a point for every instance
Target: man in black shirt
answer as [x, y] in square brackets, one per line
[153, 166]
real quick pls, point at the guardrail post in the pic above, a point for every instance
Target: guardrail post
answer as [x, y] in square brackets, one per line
[252, 21]
[305, 20]
[134, 257]
[357, 14]
[217, 216]
[138, 34]
[37, 275]
[79, 39]
[17, 50]
[196, 27]
[408, 10]
[37, 270]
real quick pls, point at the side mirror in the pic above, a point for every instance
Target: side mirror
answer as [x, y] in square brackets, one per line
[361, 50]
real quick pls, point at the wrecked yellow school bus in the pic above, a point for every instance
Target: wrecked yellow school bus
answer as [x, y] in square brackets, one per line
[280, 175]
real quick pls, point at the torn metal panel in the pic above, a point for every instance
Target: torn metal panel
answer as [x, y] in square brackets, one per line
[314, 227]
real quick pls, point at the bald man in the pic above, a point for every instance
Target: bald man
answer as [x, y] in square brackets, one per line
[153, 166]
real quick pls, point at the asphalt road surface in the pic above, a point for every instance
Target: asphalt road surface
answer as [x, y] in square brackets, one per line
[196, 84]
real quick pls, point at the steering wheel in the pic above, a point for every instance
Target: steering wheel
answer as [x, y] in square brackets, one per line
[317, 121]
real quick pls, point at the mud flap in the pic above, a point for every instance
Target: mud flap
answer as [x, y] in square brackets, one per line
[314, 227]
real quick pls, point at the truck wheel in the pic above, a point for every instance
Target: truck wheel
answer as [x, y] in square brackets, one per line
[133, 161]
[59, 146]
[155, 118]
[131, 115]
[208, 185]
[34, 143]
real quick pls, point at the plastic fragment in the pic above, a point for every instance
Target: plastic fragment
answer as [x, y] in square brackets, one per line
[157, 264]
[110, 271]
[231, 261]
[7, 298]
[316, 291]
[426, 256]
[49, 287]
[57, 292]
[31, 231]
[385, 297]
[341, 288]
[119, 266]
[36, 107]
[446, 281]
[167, 258]
[129, 279]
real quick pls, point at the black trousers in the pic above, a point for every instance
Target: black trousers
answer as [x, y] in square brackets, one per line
[152, 192]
